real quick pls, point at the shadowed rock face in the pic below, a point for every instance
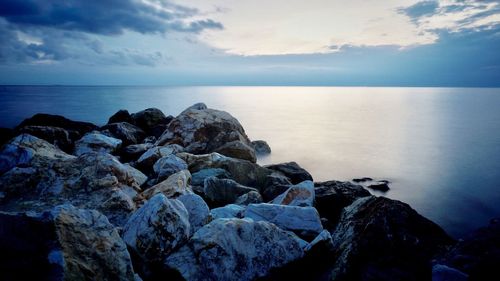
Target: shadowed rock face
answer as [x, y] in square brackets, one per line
[127, 133]
[76, 129]
[148, 119]
[292, 171]
[54, 135]
[383, 239]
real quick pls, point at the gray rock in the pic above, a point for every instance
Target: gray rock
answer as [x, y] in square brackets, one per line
[134, 151]
[383, 239]
[301, 195]
[199, 213]
[234, 249]
[76, 129]
[196, 106]
[228, 211]
[292, 171]
[168, 165]
[148, 159]
[157, 228]
[261, 147]
[127, 133]
[149, 118]
[96, 142]
[54, 135]
[224, 191]
[200, 176]
[252, 197]
[62, 244]
[175, 185]
[304, 221]
[202, 130]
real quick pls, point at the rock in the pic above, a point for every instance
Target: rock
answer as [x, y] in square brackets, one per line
[323, 240]
[228, 211]
[150, 139]
[168, 165]
[292, 171]
[252, 197]
[65, 243]
[175, 185]
[380, 186]
[6, 134]
[333, 196]
[148, 159]
[261, 147]
[75, 129]
[444, 273]
[304, 221]
[121, 115]
[276, 184]
[54, 135]
[301, 195]
[96, 142]
[477, 254]
[134, 151]
[199, 213]
[200, 176]
[242, 171]
[382, 239]
[196, 106]
[202, 130]
[127, 133]
[362, 179]
[224, 191]
[234, 249]
[155, 230]
[149, 118]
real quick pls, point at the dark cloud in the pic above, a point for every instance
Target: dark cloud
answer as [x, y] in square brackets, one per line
[420, 9]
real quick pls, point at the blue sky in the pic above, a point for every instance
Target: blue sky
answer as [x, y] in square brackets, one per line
[227, 42]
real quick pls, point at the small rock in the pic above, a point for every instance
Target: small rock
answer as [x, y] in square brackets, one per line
[380, 186]
[261, 147]
[362, 179]
[301, 195]
[148, 159]
[96, 142]
[252, 197]
[175, 185]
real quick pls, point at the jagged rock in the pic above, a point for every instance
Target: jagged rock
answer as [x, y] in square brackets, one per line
[333, 196]
[292, 171]
[200, 176]
[242, 171]
[175, 185]
[134, 151]
[301, 195]
[382, 239]
[304, 221]
[149, 118]
[252, 197]
[65, 243]
[203, 130]
[54, 135]
[156, 229]
[224, 191]
[127, 133]
[234, 249]
[228, 211]
[121, 115]
[75, 129]
[261, 147]
[196, 106]
[96, 142]
[199, 213]
[148, 159]
[276, 184]
[168, 165]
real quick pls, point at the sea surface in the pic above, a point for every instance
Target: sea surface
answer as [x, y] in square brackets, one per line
[439, 147]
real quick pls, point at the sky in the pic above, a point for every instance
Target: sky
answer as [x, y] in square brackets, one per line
[250, 42]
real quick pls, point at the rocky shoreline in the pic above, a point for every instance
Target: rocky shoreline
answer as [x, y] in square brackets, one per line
[156, 197]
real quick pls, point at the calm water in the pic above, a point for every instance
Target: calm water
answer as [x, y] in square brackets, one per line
[439, 147]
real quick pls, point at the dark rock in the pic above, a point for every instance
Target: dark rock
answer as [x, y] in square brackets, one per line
[134, 151]
[382, 239]
[121, 115]
[261, 147]
[292, 171]
[76, 129]
[148, 119]
[276, 184]
[54, 135]
[362, 179]
[148, 159]
[6, 134]
[126, 132]
[384, 187]
[333, 196]
[200, 176]
[237, 149]
[221, 192]
[252, 197]
[62, 244]
[159, 129]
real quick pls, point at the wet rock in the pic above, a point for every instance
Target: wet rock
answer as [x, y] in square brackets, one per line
[96, 142]
[65, 243]
[234, 249]
[252, 197]
[75, 129]
[54, 135]
[301, 195]
[292, 171]
[304, 221]
[121, 115]
[383, 239]
[200, 176]
[127, 133]
[224, 191]
[261, 147]
[175, 185]
[228, 211]
[333, 196]
[380, 186]
[208, 130]
[149, 118]
[167, 166]
[199, 213]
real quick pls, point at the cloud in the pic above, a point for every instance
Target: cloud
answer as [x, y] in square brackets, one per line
[419, 9]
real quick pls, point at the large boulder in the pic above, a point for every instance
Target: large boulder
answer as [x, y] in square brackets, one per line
[175, 185]
[76, 129]
[126, 132]
[155, 230]
[200, 176]
[121, 115]
[304, 221]
[148, 118]
[234, 249]
[96, 142]
[167, 166]
[301, 195]
[382, 239]
[54, 135]
[203, 130]
[199, 213]
[333, 196]
[228, 211]
[292, 171]
[65, 243]
[224, 191]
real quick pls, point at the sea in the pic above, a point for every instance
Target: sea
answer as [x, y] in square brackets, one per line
[438, 147]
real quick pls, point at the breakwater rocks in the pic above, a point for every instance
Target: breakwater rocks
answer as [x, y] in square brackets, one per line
[155, 197]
